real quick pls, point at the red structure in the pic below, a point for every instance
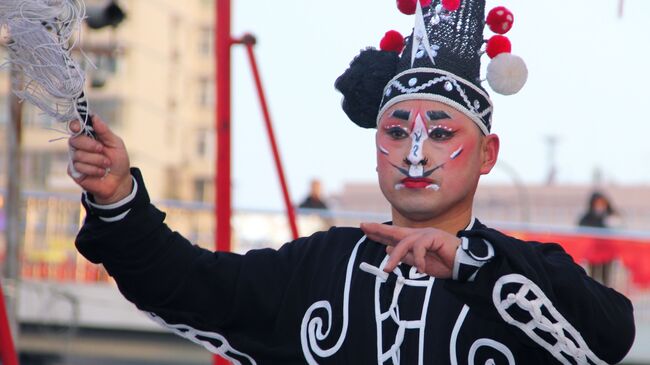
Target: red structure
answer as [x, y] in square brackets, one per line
[7, 350]
[249, 41]
[223, 201]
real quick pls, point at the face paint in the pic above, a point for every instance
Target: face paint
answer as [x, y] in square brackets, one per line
[391, 126]
[434, 115]
[440, 126]
[434, 187]
[402, 114]
[415, 157]
[382, 150]
[423, 182]
[456, 153]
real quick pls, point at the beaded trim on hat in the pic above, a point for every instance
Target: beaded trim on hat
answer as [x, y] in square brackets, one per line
[442, 86]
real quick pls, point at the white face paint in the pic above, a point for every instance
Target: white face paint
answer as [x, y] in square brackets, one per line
[382, 149]
[434, 187]
[456, 153]
[418, 136]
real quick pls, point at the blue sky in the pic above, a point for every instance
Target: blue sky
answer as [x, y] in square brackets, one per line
[588, 74]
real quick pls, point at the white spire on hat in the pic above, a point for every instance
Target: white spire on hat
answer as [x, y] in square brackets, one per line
[420, 37]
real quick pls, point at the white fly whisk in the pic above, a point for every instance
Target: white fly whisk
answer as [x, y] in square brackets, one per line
[40, 38]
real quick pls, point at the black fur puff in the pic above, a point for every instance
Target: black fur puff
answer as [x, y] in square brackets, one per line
[362, 85]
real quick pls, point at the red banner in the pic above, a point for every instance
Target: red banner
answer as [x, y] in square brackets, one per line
[634, 253]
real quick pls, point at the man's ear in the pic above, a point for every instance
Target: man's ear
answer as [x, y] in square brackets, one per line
[489, 153]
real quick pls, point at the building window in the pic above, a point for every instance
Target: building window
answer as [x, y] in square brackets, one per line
[37, 167]
[206, 92]
[105, 68]
[201, 186]
[204, 142]
[173, 183]
[109, 109]
[206, 41]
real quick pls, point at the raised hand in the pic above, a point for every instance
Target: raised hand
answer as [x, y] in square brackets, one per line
[431, 250]
[102, 162]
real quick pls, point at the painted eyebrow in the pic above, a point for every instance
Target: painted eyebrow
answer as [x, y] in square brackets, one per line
[402, 114]
[437, 115]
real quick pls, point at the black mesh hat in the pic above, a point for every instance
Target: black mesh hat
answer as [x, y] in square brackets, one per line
[439, 61]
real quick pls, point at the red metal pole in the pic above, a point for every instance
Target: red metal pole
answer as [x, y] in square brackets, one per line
[249, 42]
[222, 200]
[7, 349]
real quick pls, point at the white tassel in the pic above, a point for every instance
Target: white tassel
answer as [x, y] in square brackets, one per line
[40, 32]
[507, 73]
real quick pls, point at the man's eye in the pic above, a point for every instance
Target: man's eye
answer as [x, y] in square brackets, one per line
[397, 133]
[440, 134]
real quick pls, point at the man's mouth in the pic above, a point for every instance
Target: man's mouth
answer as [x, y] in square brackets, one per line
[416, 183]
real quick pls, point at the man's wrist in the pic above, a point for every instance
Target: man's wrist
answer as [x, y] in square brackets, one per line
[118, 210]
[471, 255]
[124, 190]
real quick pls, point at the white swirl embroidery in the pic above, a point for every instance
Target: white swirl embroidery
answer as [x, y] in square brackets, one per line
[311, 329]
[557, 326]
[203, 338]
[493, 344]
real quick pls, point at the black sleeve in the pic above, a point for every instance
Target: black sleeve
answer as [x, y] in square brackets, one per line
[190, 288]
[539, 289]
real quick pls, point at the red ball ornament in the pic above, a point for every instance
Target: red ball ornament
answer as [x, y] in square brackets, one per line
[408, 6]
[451, 5]
[498, 44]
[500, 20]
[393, 41]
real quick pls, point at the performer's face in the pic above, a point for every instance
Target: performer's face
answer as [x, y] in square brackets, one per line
[429, 159]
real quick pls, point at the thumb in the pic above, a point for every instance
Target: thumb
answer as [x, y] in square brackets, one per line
[103, 132]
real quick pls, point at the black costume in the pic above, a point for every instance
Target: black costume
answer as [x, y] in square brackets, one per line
[324, 298]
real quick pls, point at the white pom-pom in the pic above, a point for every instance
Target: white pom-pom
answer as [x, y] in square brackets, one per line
[507, 73]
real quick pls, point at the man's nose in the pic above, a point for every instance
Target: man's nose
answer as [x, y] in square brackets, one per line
[409, 161]
[416, 169]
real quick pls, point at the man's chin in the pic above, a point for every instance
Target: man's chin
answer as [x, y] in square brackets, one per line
[418, 212]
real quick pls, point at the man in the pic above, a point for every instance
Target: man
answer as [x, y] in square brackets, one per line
[313, 200]
[436, 286]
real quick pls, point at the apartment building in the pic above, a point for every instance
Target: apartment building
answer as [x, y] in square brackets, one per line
[152, 81]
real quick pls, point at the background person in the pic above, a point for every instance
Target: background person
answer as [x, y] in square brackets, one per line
[598, 215]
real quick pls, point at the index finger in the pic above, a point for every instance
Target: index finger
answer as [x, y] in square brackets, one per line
[74, 126]
[85, 143]
[103, 132]
[383, 233]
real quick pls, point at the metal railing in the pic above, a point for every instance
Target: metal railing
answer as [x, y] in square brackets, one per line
[51, 222]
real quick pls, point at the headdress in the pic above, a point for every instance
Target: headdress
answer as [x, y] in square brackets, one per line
[440, 61]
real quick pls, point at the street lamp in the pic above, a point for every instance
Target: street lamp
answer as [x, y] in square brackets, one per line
[110, 14]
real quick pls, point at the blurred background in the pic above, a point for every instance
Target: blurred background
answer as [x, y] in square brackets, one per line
[573, 164]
